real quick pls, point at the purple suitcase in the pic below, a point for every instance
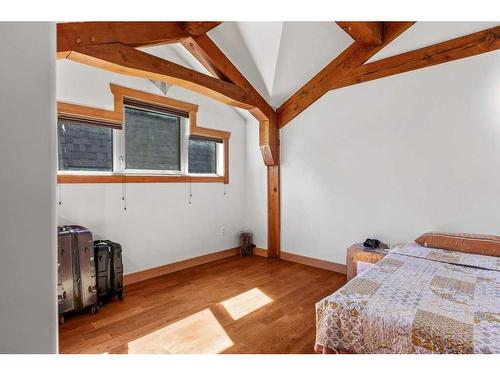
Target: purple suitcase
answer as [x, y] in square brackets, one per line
[77, 274]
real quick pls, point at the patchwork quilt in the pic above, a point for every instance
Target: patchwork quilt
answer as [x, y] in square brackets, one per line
[415, 300]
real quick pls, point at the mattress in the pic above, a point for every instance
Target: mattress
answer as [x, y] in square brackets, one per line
[415, 300]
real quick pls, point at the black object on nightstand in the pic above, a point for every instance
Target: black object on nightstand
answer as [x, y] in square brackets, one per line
[371, 243]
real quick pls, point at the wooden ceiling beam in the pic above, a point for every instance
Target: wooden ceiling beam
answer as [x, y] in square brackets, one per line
[119, 58]
[353, 57]
[370, 33]
[199, 28]
[194, 49]
[454, 49]
[210, 55]
[134, 34]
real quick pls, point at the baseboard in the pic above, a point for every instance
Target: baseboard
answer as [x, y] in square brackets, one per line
[135, 277]
[314, 262]
[165, 269]
[260, 252]
[301, 259]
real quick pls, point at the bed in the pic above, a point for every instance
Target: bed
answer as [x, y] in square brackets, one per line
[415, 300]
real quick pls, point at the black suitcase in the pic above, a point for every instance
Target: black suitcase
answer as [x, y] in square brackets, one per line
[109, 265]
[76, 270]
[116, 269]
[103, 269]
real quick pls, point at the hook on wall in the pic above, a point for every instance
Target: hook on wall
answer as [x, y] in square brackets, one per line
[60, 194]
[124, 184]
[190, 190]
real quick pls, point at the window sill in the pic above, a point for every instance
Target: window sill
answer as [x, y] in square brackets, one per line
[134, 179]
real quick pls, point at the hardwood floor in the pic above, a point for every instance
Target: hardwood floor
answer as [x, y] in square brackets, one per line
[234, 305]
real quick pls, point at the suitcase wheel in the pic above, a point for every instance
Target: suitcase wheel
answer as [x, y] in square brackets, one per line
[120, 296]
[94, 309]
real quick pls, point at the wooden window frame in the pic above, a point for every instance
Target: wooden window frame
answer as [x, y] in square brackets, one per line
[218, 142]
[115, 120]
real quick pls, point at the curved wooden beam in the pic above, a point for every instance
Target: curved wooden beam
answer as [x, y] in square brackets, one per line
[119, 58]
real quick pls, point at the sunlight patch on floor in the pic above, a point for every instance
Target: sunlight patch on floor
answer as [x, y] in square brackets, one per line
[245, 303]
[199, 333]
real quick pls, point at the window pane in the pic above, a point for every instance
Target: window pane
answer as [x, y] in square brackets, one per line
[152, 140]
[202, 155]
[83, 147]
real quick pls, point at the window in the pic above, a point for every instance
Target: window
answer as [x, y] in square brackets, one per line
[83, 146]
[202, 155]
[152, 140]
[146, 137]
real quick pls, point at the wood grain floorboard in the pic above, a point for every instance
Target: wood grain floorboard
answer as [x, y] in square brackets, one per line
[178, 312]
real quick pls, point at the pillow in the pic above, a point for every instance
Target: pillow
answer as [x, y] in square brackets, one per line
[465, 243]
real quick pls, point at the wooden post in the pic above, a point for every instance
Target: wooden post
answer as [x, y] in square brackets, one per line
[273, 212]
[270, 149]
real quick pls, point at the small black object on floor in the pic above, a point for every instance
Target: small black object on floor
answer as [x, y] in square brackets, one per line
[246, 247]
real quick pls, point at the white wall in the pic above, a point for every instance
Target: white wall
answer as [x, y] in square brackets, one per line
[28, 302]
[393, 158]
[159, 226]
[256, 187]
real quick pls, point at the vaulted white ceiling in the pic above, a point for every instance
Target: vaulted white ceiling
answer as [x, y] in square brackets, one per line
[424, 34]
[285, 55]
[264, 47]
[280, 57]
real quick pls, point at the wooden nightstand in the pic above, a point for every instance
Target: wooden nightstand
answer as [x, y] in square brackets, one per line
[359, 258]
